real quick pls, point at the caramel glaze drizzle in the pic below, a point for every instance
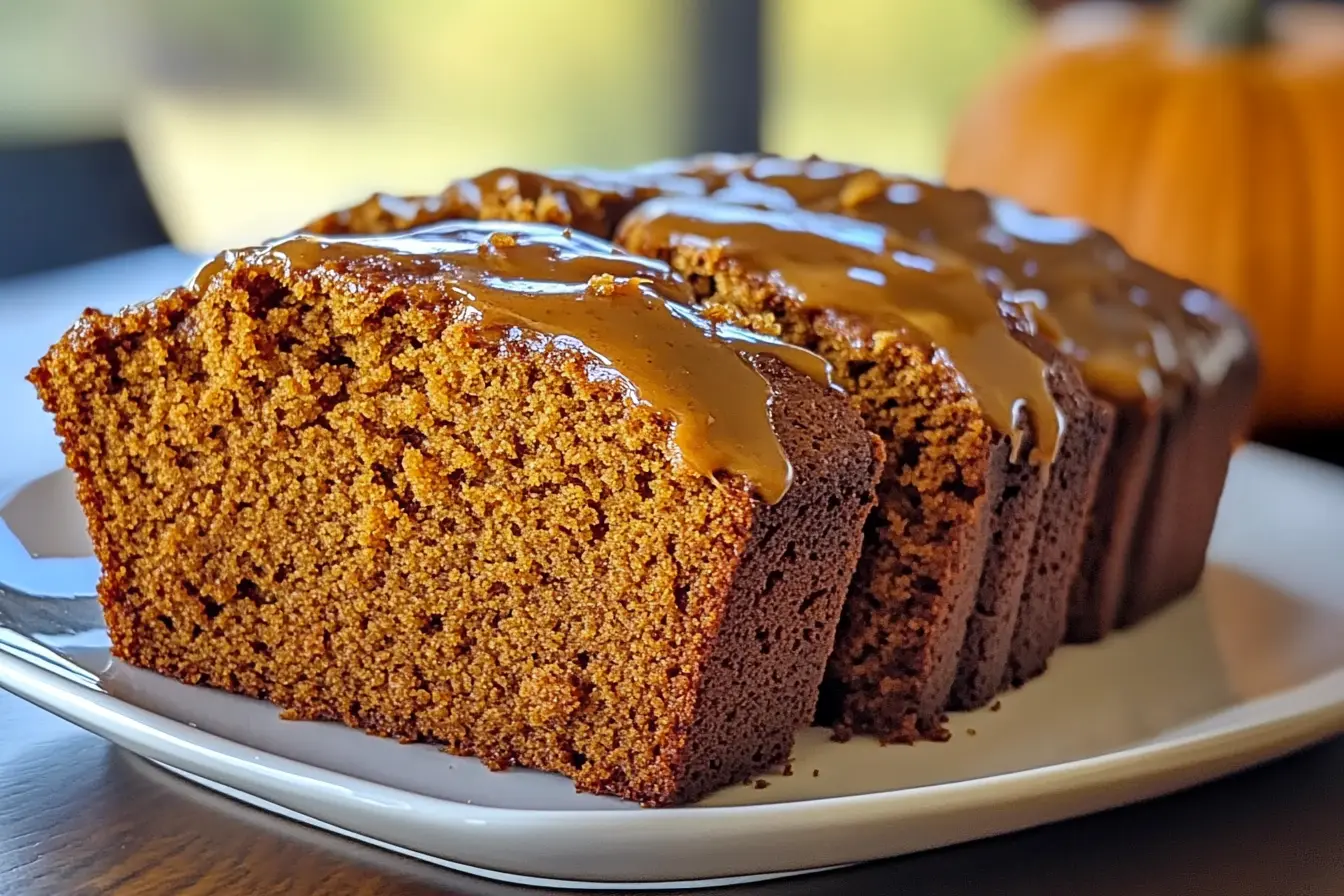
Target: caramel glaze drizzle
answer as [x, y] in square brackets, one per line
[865, 271]
[1132, 329]
[542, 286]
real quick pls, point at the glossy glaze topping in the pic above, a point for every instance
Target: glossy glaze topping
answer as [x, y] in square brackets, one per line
[542, 286]
[643, 182]
[1069, 276]
[865, 272]
[1130, 327]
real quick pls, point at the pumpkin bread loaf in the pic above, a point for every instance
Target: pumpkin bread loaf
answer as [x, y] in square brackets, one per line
[494, 487]
[933, 612]
[1021, 609]
[961, 220]
[1106, 525]
[920, 631]
[1168, 369]
[1177, 365]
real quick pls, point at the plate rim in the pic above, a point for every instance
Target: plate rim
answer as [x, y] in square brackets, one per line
[1090, 770]
[528, 880]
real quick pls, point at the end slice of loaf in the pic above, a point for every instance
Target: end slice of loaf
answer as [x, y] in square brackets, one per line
[331, 488]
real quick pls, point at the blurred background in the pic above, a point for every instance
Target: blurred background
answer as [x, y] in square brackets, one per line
[1207, 134]
[245, 117]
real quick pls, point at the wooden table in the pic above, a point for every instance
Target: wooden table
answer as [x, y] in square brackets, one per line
[79, 816]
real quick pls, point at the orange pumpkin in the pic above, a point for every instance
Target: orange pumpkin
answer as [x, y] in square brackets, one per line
[1210, 140]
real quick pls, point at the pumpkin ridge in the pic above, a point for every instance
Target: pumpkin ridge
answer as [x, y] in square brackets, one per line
[1146, 235]
[1058, 145]
[1231, 211]
[1120, 196]
[1037, 174]
[1321, 142]
[1098, 139]
[1291, 288]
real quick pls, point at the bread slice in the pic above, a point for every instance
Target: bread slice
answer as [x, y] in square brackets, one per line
[1175, 365]
[930, 547]
[1084, 551]
[1024, 597]
[444, 487]
[1198, 436]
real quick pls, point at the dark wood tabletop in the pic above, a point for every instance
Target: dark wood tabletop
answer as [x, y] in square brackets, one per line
[79, 816]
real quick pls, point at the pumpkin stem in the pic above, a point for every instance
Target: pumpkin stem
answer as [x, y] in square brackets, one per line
[1226, 23]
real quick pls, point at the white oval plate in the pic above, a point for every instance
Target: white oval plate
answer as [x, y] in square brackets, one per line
[1249, 668]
